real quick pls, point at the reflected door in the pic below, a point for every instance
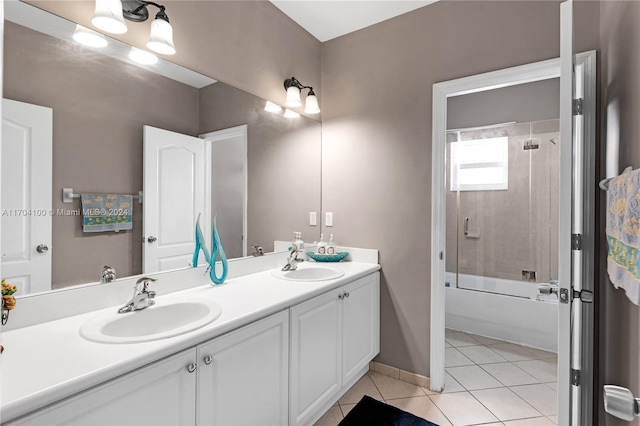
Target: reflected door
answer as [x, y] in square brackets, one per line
[26, 195]
[173, 198]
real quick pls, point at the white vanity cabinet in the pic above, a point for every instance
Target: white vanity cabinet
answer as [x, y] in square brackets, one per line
[243, 375]
[162, 393]
[284, 369]
[333, 338]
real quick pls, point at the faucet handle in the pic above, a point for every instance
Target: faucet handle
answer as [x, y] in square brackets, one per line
[145, 283]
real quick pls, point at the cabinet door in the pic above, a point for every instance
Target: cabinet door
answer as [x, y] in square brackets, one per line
[315, 355]
[163, 393]
[243, 375]
[360, 325]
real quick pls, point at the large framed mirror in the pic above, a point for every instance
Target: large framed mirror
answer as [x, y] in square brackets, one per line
[263, 174]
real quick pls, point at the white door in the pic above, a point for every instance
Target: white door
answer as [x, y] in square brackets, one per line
[316, 355]
[173, 198]
[26, 195]
[226, 193]
[361, 325]
[163, 393]
[249, 365]
[576, 237]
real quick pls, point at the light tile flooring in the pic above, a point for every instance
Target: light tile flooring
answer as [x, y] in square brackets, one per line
[488, 382]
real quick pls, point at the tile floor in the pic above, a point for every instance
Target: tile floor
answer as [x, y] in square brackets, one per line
[488, 382]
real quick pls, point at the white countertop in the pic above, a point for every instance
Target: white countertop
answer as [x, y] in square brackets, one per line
[46, 362]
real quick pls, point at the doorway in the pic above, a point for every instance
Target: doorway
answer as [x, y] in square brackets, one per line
[572, 162]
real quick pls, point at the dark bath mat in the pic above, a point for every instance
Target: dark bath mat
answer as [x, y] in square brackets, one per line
[370, 412]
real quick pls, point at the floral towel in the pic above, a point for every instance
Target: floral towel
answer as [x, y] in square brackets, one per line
[623, 233]
[106, 212]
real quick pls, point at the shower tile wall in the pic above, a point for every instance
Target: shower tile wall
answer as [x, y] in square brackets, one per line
[518, 226]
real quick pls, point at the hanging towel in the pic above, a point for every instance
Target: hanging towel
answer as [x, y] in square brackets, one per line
[623, 233]
[106, 212]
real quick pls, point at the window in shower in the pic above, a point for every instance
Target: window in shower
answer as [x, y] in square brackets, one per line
[480, 165]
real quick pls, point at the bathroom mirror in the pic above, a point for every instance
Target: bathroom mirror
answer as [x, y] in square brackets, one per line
[98, 105]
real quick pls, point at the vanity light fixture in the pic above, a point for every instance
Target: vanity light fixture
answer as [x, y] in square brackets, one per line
[84, 35]
[271, 107]
[142, 57]
[293, 88]
[110, 14]
[291, 114]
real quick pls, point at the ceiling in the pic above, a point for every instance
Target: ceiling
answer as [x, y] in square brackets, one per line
[328, 19]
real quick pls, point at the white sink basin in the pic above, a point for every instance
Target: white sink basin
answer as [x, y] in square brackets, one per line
[312, 273]
[167, 318]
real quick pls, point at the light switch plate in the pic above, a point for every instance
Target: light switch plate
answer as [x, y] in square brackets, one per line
[313, 219]
[328, 219]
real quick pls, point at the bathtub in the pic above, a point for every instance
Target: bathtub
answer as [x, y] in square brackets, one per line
[502, 309]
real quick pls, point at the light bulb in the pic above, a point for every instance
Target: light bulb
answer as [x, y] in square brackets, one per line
[108, 16]
[89, 37]
[142, 57]
[271, 107]
[293, 97]
[161, 37]
[311, 104]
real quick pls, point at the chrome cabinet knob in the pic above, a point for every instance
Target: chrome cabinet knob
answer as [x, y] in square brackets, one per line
[152, 239]
[346, 294]
[208, 359]
[191, 367]
[42, 248]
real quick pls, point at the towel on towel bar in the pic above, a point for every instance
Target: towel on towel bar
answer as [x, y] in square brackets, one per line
[106, 212]
[623, 233]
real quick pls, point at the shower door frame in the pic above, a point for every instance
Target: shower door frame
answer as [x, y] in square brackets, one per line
[528, 73]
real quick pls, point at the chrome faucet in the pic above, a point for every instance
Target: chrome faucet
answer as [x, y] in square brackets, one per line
[293, 260]
[108, 274]
[257, 251]
[142, 297]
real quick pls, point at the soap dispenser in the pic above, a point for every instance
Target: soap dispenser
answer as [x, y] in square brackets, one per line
[331, 247]
[298, 243]
[322, 246]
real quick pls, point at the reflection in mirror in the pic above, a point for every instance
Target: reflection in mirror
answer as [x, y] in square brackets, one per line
[261, 171]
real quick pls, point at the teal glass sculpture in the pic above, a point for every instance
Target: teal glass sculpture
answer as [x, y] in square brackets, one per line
[217, 250]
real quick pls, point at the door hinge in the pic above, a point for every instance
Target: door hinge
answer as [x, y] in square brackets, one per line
[575, 377]
[441, 255]
[577, 106]
[576, 241]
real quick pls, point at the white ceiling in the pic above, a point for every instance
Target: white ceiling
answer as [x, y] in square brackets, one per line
[328, 19]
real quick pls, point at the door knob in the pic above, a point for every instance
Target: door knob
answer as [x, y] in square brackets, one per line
[152, 239]
[42, 248]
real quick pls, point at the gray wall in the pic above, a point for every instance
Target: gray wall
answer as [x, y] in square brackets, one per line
[284, 163]
[620, 85]
[511, 230]
[100, 105]
[536, 101]
[376, 159]
[250, 45]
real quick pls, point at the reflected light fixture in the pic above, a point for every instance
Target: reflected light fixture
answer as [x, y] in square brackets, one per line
[84, 35]
[142, 57]
[110, 14]
[291, 114]
[293, 88]
[271, 107]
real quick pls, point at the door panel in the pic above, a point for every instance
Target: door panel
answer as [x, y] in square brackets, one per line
[27, 133]
[173, 197]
